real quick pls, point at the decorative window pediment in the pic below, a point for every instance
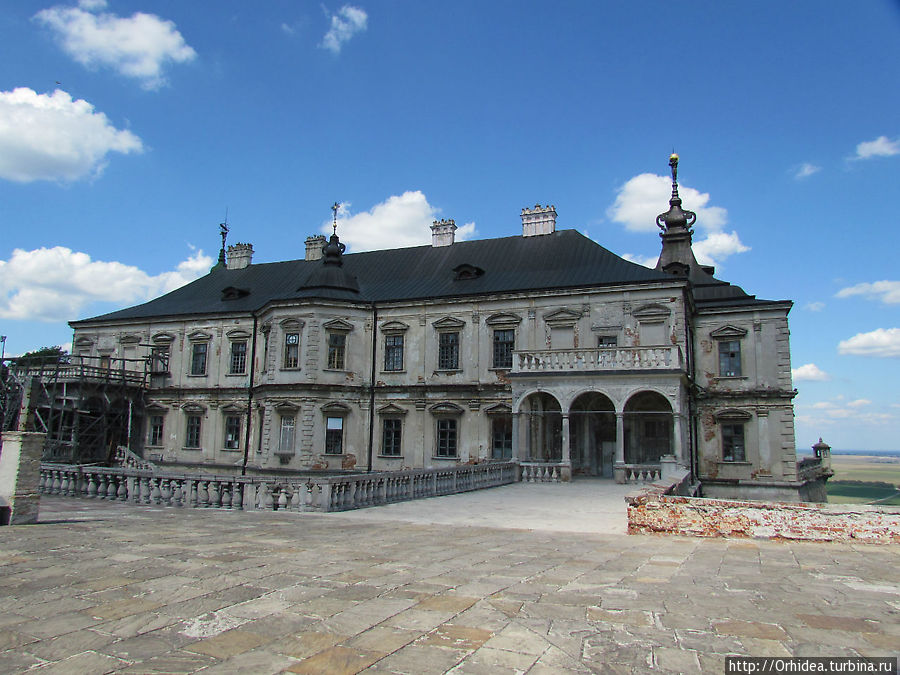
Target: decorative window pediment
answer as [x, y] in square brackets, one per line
[498, 409]
[562, 318]
[651, 313]
[232, 293]
[289, 325]
[286, 408]
[466, 271]
[238, 334]
[732, 415]
[163, 338]
[335, 408]
[84, 342]
[193, 408]
[338, 325]
[448, 323]
[503, 319]
[728, 333]
[394, 327]
[199, 336]
[677, 269]
[446, 408]
[234, 408]
[391, 410]
[157, 408]
[130, 339]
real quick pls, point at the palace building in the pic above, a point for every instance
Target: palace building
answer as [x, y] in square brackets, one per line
[545, 348]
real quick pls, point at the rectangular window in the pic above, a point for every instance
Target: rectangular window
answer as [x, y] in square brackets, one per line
[233, 432]
[504, 343]
[292, 350]
[286, 438]
[155, 437]
[192, 436]
[337, 343]
[446, 437]
[334, 435]
[448, 351]
[238, 358]
[159, 359]
[733, 443]
[198, 358]
[730, 358]
[501, 436]
[390, 439]
[393, 352]
[607, 341]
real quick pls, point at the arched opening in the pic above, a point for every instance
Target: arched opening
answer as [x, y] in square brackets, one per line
[648, 428]
[543, 419]
[592, 435]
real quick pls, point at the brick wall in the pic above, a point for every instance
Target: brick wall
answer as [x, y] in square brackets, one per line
[652, 511]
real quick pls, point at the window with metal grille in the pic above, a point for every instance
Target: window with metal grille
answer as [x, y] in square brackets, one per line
[334, 435]
[733, 443]
[232, 432]
[192, 435]
[155, 437]
[501, 436]
[292, 350]
[730, 358]
[337, 343]
[286, 438]
[391, 434]
[446, 437]
[198, 358]
[504, 343]
[448, 351]
[238, 358]
[393, 352]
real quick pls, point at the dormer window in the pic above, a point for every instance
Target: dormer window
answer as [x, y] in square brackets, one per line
[232, 293]
[466, 271]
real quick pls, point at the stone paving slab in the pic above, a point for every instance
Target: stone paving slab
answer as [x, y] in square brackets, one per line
[105, 587]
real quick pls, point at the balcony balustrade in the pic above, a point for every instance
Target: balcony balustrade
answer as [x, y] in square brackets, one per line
[599, 359]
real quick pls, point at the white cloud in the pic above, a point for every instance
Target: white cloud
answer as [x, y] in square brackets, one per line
[881, 342]
[399, 221]
[880, 147]
[814, 306]
[887, 292]
[52, 137]
[809, 372]
[645, 196]
[646, 261]
[56, 284]
[348, 21]
[806, 170]
[859, 403]
[717, 246]
[138, 47]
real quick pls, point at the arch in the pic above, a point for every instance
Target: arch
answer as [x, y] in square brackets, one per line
[592, 434]
[648, 426]
[541, 413]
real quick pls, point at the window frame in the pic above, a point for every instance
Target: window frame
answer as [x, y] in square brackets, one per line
[448, 350]
[505, 452]
[290, 356]
[156, 431]
[502, 350]
[193, 433]
[446, 437]
[199, 355]
[728, 357]
[237, 358]
[607, 341]
[727, 430]
[232, 438]
[391, 352]
[334, 435]
[337, 353]
[283, 426]
[391, 438]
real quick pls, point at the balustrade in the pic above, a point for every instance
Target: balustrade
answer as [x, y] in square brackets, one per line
[599, 359]
[640, 473]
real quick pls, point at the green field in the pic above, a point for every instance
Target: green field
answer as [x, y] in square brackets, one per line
[872, 478]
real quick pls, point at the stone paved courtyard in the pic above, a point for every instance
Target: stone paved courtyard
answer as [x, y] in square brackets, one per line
[103, 587]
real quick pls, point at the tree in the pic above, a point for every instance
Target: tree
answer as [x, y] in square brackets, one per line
[45, 356]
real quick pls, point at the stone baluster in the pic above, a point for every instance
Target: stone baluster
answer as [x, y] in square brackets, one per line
[202, 494]
[237, 496]
[191, 494]
[296, 497]
[146, 490]
[64, 483]
[215, 497]
[122, 488]
[269, 498]
[177, 493]
[165, 492]
[226, 494]
[111, 488]
[92, 486]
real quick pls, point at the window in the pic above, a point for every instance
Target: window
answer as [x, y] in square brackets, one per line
[232, 432]
[337, 343]
[448, 351]
[446, 437]
[733, 443]
[504, 343]
[607, 341]
[334, 435]
[155, 437]
[390, 438]
[192, 437]
[286, 438]
[238, 358]
[501, 437]
[730, 358]
[393, 352]
[159, 359]
[292, 350]
[198, 358]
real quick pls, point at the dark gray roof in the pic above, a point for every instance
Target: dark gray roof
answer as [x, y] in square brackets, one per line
[564, 259]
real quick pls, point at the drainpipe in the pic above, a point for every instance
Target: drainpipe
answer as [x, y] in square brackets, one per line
[372, 387]
[692, 375]
[250, 397]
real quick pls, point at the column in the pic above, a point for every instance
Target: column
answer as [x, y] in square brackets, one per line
[516, 454]
[679, 439]
[618, 471]
[566, 470]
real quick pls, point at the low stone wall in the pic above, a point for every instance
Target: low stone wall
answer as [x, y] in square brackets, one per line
[652, 511]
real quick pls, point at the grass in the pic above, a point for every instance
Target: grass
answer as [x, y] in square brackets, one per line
[862, 479]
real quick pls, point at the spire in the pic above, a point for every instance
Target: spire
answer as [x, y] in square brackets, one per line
[330, 278]
[675, 218]
[677, 257]
[334, 249]
[223, 232]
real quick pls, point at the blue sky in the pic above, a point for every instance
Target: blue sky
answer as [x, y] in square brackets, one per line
[127, 128]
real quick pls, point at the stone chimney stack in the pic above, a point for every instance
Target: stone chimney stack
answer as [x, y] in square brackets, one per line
[239, 256]
[539, 220]
[315, 246]
[443, 232]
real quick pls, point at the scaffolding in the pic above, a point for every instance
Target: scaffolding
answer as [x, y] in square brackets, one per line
[86, 405]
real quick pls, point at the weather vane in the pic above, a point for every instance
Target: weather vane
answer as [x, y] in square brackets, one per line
[335, 208]
[223, 229]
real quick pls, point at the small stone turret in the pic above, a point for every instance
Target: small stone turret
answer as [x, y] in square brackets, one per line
[239, 256]
[539, 220]
[314, 246]
[443, 232]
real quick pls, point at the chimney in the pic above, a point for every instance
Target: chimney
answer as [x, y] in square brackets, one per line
[443, 232]
[539, 220]
[314, 246]
[239, 256]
